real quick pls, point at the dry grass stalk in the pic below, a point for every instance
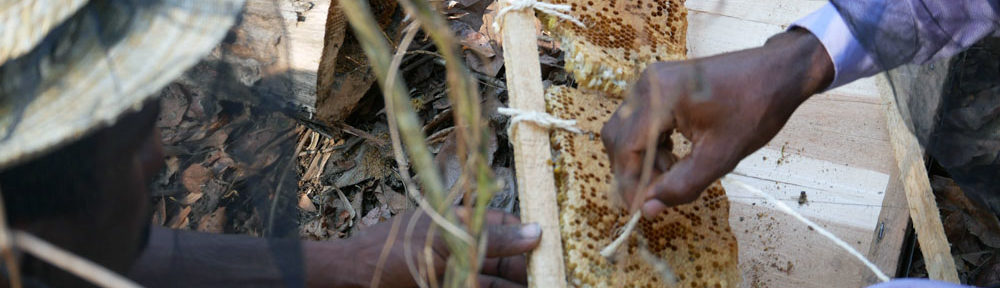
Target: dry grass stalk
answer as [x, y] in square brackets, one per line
[79, 266]
[464, 259]
[7, 250]
[464, 96]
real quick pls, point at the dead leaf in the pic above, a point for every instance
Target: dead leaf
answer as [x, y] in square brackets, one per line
[344, 220]
[214, 222]
[181, 219]
[507, 196]
[479, 50]
[191, 198]
[173, 105]
[397, 202]
[306, 204]
[216, 139]
[375, 216]
[316, 229]
[194, 177]
[223, 163]
[447, 160]
[369, 162]
[978, 219]
[989, 274]
[160, 215]
[173, 164]
[356, 205]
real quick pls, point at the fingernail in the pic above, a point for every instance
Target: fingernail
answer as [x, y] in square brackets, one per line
[652, 208]
[531, 231]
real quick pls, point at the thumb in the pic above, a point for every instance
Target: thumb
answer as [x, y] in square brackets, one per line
[685, 181]
[510, 240]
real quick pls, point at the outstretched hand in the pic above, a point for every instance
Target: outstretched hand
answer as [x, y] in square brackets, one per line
[728, 105]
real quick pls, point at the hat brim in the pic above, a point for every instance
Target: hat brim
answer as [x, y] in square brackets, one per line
[20, 36]
[103, 61]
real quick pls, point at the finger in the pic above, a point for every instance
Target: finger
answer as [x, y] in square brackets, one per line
[625, 158]
[486, 281]
[509, 240]
[493, 217]
[513, 268]
[685, 181]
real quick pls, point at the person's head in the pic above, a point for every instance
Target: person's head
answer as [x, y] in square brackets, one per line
[90, 197]
[75, 154]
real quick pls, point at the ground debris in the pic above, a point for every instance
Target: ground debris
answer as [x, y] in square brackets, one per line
[221, 145]
[973, 232]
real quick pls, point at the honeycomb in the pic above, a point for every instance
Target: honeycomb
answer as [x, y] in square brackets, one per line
[694, 240]
[619, 39]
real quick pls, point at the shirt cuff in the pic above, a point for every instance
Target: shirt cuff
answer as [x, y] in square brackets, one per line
[850, 60]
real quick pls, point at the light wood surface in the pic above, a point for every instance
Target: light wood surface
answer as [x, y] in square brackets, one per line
[836, 148]
[304, 24]
[532, 153]
[923, 208]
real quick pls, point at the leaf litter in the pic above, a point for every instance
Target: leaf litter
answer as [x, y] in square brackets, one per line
[218, 143]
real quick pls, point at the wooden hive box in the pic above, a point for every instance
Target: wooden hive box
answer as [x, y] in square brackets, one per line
[835, 148]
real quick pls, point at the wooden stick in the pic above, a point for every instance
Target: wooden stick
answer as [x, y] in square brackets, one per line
[76, 265]
[923, 209]
[532, 153]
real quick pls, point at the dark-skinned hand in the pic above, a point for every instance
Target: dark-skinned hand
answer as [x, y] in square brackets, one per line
[728, 105]
[508, 241]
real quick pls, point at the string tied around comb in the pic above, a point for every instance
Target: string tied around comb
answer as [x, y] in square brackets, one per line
[558, 10]
[544, 120]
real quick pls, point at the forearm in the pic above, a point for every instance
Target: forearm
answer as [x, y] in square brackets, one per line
[776, 78]
[192, 259]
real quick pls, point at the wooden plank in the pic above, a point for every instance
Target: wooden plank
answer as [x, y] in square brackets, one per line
[923, 208]
[829, 146]
[775, 12]
[305, 25]
[532, 153]
[890, 232]
[288, 38]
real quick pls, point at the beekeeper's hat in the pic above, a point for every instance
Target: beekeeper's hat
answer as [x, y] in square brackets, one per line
[70, 67]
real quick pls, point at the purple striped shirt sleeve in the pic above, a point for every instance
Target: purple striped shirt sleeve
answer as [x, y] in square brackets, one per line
[864, 37]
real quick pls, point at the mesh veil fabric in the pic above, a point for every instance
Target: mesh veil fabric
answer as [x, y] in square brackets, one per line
[952, 103]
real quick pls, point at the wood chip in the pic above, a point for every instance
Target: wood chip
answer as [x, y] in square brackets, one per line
[181, 220]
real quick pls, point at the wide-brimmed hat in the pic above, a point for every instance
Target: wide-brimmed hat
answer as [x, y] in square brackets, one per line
[71, 67]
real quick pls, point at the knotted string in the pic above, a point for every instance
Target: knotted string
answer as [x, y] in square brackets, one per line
[541, 119]
[557, 10]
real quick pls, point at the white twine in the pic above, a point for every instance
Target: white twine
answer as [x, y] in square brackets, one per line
[557, 10]
[544, 120]
[788, 210]
[609, 251]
